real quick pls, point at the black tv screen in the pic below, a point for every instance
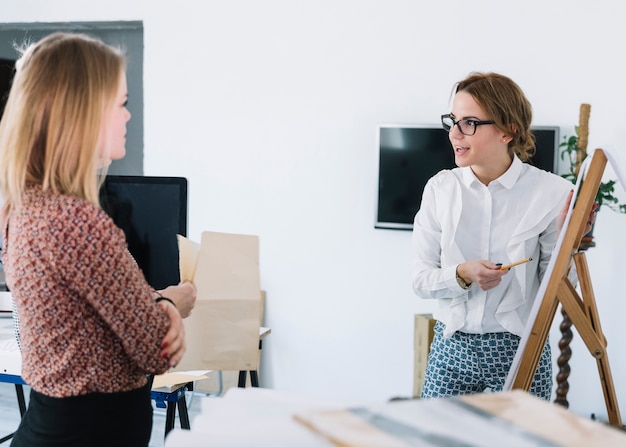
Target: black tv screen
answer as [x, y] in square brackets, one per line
[408, 155]
[151, 211]
[547, 144]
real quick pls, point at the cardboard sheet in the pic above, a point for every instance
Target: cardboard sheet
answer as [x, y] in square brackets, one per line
[169, 382]
[222, 332]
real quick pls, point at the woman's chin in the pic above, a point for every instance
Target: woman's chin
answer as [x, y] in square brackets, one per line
[461, 161]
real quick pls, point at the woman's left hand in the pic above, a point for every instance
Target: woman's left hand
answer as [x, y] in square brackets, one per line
[563, 214]
[592, 218]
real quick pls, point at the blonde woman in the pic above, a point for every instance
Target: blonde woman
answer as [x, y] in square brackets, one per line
[91, 327]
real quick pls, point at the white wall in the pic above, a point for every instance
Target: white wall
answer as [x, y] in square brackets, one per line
[269, 108]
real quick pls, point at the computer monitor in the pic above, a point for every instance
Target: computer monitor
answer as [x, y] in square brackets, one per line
[151, 211]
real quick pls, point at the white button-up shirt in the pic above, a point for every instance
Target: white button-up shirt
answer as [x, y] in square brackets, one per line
[461, 219]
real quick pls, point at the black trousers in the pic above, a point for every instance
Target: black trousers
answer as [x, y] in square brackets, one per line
[93, 420]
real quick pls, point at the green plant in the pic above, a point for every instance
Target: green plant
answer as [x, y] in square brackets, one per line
[575, 157]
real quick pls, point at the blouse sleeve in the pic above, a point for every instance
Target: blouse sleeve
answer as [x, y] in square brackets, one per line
[108, 277]
[432, 279]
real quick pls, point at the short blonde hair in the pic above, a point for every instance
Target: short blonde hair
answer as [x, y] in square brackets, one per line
[52, 120]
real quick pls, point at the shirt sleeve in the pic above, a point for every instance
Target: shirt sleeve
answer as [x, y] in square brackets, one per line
[547, 243]
[108, 277]
[430, 278]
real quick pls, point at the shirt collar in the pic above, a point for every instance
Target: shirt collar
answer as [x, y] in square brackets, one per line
[511, 175]
[507, 180]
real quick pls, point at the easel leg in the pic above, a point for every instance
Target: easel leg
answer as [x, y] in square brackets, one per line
[563, 361]
[591, 310]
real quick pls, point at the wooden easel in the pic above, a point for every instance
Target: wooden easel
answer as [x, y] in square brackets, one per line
[581, 310]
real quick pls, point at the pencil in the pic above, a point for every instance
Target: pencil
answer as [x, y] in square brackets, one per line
[506, 267]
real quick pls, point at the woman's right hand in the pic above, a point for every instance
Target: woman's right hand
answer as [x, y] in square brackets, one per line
[184, 296]
[485, 274]
[173, 344]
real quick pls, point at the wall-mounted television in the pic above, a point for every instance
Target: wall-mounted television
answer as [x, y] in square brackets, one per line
[409, 154]
[151, 211]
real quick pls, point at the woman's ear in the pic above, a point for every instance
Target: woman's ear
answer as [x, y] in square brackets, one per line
[507, 138]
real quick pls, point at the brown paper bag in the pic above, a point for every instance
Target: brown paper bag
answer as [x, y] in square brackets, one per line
[222, 332]
[188, 258]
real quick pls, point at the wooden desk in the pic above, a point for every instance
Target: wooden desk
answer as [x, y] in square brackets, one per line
[488, 419]
[174, 399]
[275, 419]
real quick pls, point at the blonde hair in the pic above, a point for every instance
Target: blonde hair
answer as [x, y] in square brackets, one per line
[505, 104]
[52, 120]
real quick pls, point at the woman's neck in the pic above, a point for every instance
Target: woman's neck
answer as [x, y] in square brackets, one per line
[487, 173]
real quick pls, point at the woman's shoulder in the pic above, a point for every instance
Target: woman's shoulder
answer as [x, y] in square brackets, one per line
[73, 213]
[446, 177]
[73, 206]
[543, 179]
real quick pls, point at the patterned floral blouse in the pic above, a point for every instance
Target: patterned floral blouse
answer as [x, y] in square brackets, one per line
[88, 320]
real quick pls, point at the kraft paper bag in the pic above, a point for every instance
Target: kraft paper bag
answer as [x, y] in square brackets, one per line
[222, 332]
[188, 258]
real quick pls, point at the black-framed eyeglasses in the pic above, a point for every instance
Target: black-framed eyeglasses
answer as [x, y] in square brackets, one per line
[466, 126]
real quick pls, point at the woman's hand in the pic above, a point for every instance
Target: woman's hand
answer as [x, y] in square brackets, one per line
[485, 274]
[592, 218]
[563, 214]
[173, 344]
[184, 296]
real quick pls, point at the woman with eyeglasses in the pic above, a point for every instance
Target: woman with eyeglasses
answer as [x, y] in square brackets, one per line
[492, 210]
